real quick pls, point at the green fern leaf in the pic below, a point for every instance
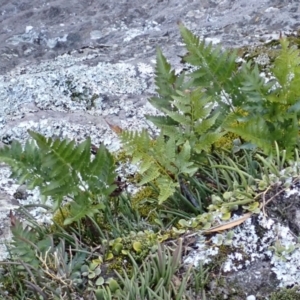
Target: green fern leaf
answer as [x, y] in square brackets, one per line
[216, 67]
[206, 141]
[145, 164]
[161, 121]
[254, 130]
[254, 86]
[170, 147]
[25, 165]
[177, 117]
[166, 187]
[62, 168]
[100, 173]
[183, 160]
[150, 175]
[82, 208]
[203, 126]
[287, 72]
[166, 82]
[159, 162]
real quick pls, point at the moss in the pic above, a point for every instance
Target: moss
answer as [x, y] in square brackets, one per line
[146, 241]
[59, 217]
[144, 202]
[265, 54]
[286, 294]
[119, 264]
[226, 141]
[87, 230]
[121, 156]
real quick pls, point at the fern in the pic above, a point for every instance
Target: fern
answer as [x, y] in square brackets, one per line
[61, 168]
[166, 81]
[216, 71]
[272, 109]
[193, 106]
[192, 119]
[159, 161]
[287, 72]
[254, 130]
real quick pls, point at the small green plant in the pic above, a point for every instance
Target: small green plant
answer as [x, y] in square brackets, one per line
[266, 111]
[159, 160]
[92, 272]
[43, 265]
[187, 180]
[156, 278]
[286, 294]
[60, 169]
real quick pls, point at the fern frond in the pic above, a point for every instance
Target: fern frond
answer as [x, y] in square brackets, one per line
[24, 242]
[255, 130]
[272, 108]
[166, 81]
[287, 72]
[183, 160]
[196, 120]
[25, 164]
[216, 67]
[177, 117]
[61, 168]
[160, 161]
[100, 173]
[254, 86]
[82, 207]
[160, 121]
[150, 175]
[166, 187]
[204, 125]
[206, 141]
[145, 164]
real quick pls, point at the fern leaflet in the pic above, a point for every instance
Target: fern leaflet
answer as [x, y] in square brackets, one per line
[61, 168]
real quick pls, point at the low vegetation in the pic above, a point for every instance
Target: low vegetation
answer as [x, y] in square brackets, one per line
[222, 131]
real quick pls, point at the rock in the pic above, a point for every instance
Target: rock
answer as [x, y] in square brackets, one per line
[263, 253]
[21, 192]
[68, 66]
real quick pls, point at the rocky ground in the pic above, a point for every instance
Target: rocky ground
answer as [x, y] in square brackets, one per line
[67, 66]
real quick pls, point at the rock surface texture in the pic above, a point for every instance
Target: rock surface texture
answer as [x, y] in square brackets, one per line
[67, 66]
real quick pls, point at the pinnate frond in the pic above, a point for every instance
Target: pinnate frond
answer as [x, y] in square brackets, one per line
[160, 161]
[61, 168]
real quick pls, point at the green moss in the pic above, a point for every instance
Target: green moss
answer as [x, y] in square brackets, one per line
[59, 217]
[87, 230]
[138, 245]
[144, 201]
[226, 141]
[121, 157]
[265, 54]
[286, 294]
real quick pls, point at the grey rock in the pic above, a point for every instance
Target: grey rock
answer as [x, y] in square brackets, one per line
[67, 67]
[21, 192]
